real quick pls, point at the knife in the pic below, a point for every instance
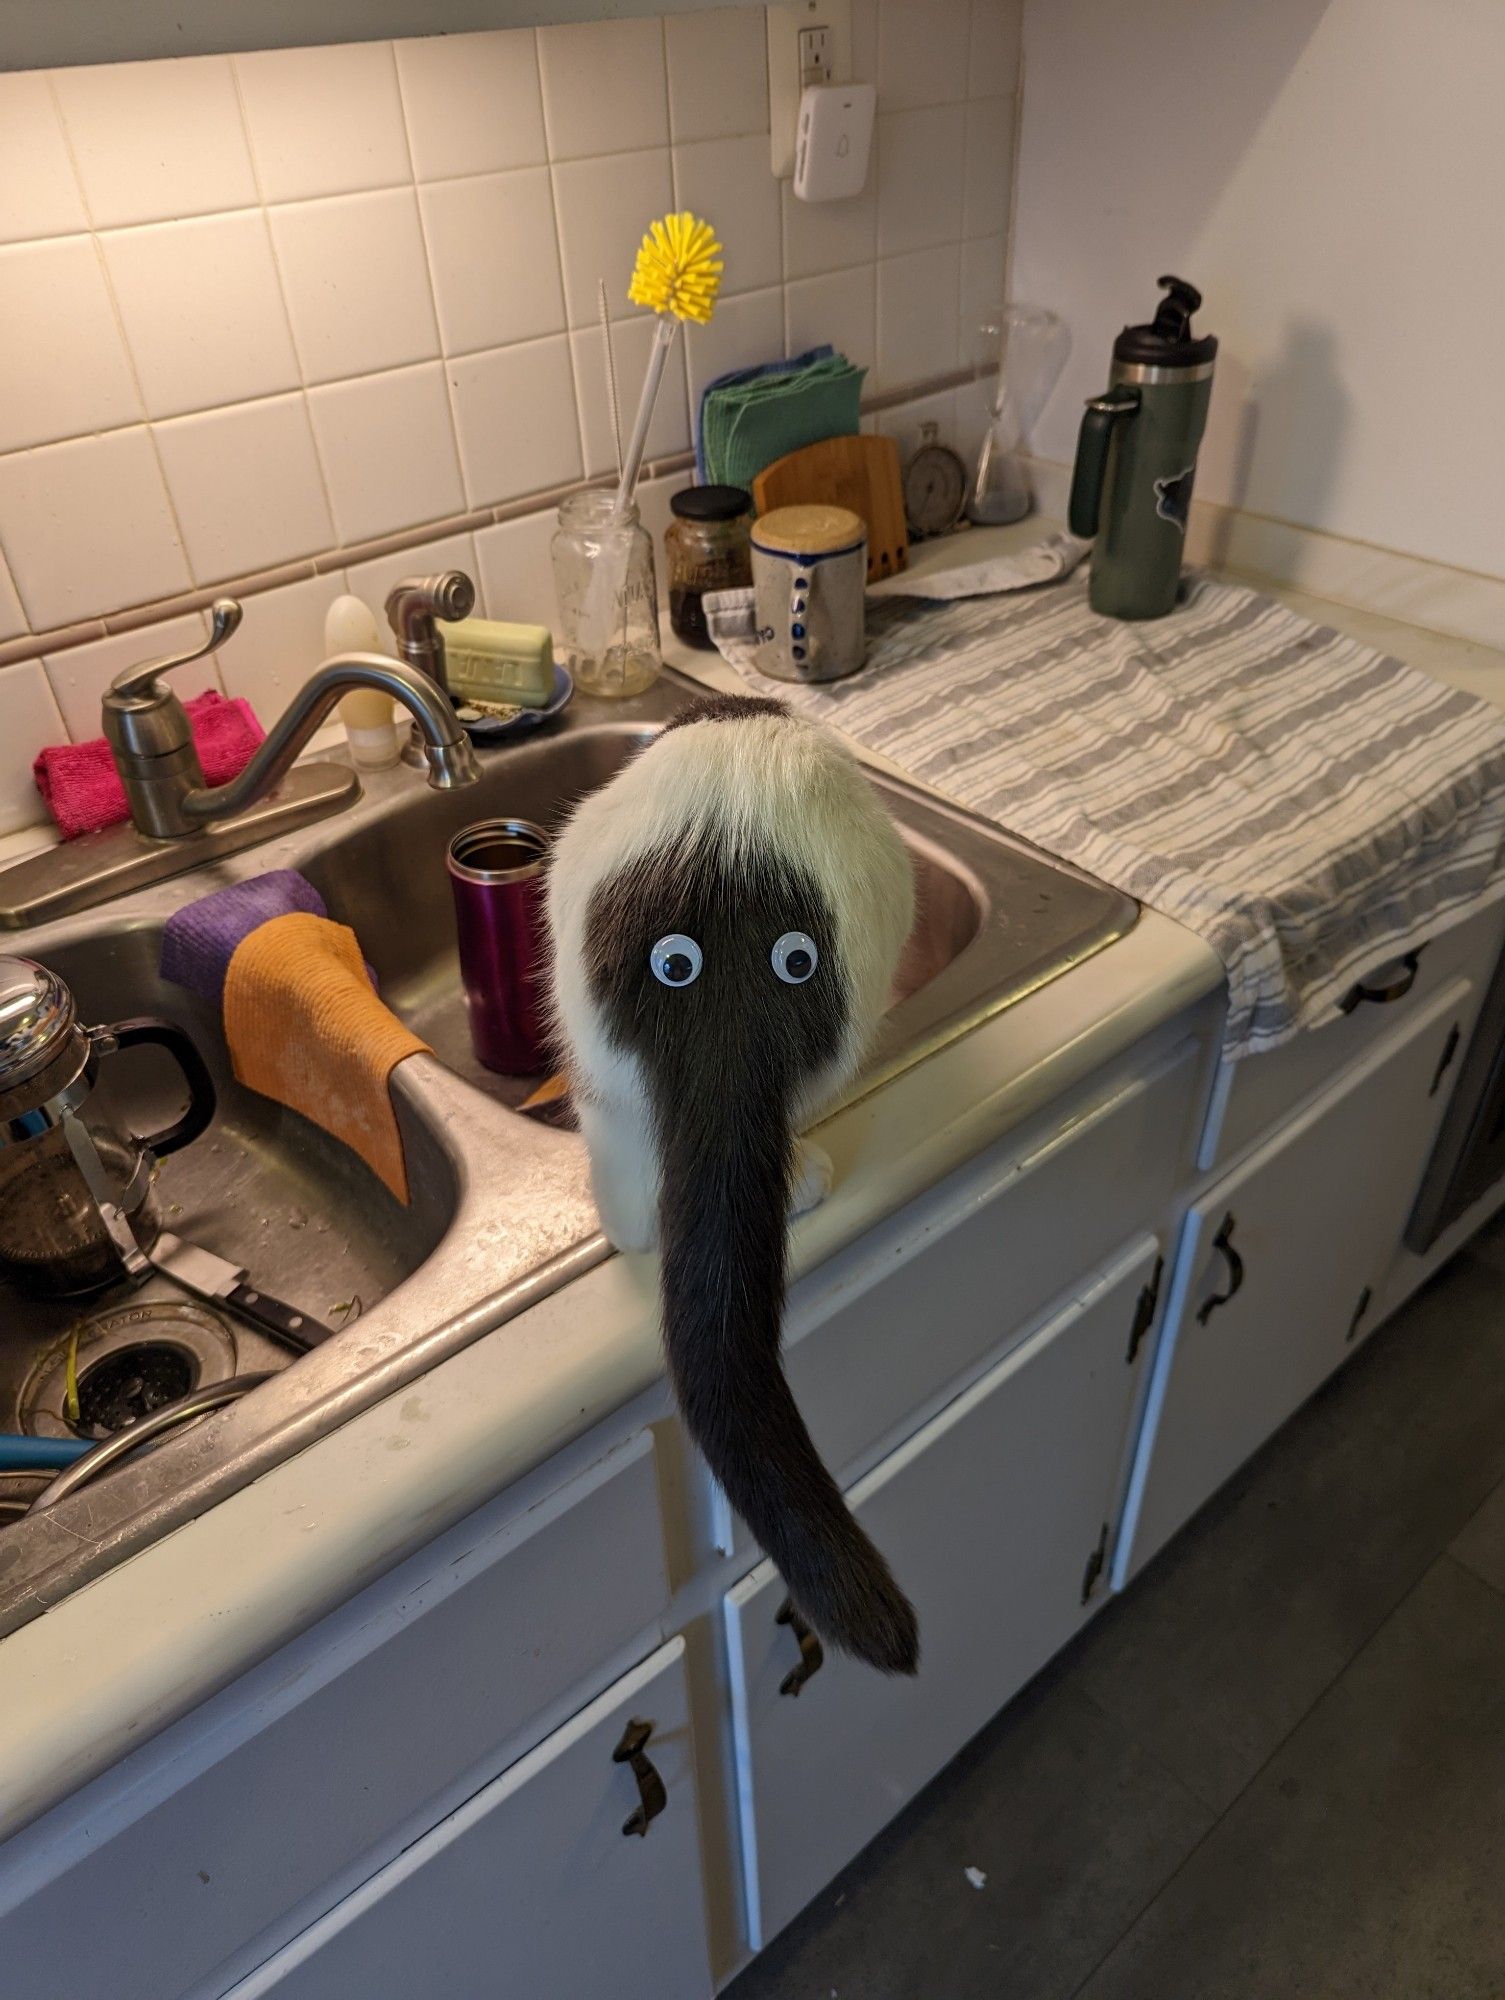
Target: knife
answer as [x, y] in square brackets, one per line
[215, 1278]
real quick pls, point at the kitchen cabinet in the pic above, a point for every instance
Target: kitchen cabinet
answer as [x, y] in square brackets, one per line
[568, 1876]
[273, 1797]
[994, 1516]
[38, 34]
[1278, 1267]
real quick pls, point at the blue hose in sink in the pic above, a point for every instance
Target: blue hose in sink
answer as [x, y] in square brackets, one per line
[29, 1454]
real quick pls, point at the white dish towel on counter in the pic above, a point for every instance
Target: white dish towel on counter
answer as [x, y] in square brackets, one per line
[1308, 806]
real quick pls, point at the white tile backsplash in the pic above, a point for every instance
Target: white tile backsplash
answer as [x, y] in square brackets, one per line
[824, 236]
[604, 207]
[38, 188]
[728, 182]
[357, 283]
[202, 311]
[604, 87]
[473, 102]
[837, 308]
[324, 120]
[246, 485]
[515, 416]
[920, 156]
[989, 165]
[918, 305]
[494, 258]
[515, 570]
[922, 52]
[154, 140]
[718, 72]
[12, 617]
[80, 676]
[29, 722]
[87, 524]
[278, 644]
[328, 289]
[387, 445]
[982, 289]
[63, 367]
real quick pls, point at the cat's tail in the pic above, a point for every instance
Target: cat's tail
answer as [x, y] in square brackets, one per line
[726, 1168]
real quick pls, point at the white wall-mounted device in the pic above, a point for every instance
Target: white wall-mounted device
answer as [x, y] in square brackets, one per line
[809, 42]
[833, 140]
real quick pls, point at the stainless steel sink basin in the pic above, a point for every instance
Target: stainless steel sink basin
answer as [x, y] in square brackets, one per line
[501, 1212]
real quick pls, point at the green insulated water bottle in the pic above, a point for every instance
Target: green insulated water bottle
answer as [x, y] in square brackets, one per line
[1136, 458]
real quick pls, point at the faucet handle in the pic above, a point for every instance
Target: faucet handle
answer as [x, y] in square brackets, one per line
[449, 595]
[224, 617]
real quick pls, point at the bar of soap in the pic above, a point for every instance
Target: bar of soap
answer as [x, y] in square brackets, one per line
[487, 659]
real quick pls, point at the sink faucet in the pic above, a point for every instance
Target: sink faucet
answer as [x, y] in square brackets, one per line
[152, 743]
[412, 607]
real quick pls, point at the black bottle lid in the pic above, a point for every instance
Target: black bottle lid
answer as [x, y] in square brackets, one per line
[1167, 341]
[710, 503]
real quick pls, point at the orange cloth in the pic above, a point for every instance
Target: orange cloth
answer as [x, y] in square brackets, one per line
[304, 1027]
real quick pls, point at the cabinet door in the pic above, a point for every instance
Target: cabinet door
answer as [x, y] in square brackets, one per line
[991, 1515]
[534, 1889]
[1276, 1271]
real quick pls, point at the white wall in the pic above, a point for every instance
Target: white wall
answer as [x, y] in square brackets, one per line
[261, 314]
[1331, 174]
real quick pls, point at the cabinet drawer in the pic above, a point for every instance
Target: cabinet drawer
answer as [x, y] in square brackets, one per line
[1276, 1274]
[533, 1889]
[1251, 1096]
[989, 1515]
[883, 1328]
[233, 1818]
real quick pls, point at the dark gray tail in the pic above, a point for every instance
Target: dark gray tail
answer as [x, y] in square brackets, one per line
[726, 1173]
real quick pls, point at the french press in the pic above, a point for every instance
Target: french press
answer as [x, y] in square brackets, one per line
[77, 1206]
[1136, 458]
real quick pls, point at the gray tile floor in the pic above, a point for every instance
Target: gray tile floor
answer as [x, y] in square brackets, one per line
[1274, 1770]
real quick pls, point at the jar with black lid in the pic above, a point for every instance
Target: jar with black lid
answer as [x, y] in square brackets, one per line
[709, 547]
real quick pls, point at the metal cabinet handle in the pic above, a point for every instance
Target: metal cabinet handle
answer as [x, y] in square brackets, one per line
[1223, 1241]
[812, 1653]
[652, 1798]
[1393, 989]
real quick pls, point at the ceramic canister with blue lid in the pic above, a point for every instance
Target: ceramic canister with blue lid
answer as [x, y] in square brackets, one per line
[809, 569]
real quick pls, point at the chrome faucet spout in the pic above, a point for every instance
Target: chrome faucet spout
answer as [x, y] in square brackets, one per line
[446, 747]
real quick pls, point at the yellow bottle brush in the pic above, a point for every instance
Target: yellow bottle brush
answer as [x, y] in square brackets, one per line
[677, 275]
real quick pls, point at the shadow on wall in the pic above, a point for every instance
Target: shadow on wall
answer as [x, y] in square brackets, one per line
[1299, 401]
[1227, 67]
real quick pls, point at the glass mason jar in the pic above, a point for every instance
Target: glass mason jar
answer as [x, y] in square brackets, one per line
[707, 546]
[608, 596]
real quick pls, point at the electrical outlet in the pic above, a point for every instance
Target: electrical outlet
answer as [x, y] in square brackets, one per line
[815, 56]
[801, 38]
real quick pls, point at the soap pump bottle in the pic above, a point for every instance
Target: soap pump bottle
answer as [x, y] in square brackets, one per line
[366, 713]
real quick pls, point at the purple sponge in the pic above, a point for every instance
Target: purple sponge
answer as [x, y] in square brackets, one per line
[199, 940]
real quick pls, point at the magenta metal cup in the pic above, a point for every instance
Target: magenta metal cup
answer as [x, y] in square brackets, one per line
[496, 872]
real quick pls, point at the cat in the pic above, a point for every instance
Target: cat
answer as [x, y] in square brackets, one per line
[728, 915]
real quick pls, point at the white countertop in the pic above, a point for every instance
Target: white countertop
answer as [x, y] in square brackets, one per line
[123, 1656]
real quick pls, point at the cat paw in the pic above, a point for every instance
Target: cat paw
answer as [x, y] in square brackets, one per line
[813, 1175]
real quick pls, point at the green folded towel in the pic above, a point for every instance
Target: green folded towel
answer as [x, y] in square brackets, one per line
[746, 425]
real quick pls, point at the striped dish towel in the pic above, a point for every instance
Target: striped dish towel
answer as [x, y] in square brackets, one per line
[1308, 806]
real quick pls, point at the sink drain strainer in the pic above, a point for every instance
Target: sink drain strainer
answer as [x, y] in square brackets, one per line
[129, 1361]
[132, 1382]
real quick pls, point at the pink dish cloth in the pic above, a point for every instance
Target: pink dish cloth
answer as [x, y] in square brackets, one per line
[81, 787]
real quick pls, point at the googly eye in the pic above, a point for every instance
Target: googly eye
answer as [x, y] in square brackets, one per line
[675, 960]
[795, 958]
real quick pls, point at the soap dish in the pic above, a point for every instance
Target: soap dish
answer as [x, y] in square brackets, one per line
[506, 729]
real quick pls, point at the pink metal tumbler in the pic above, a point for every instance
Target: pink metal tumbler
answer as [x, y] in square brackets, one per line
[496, 872]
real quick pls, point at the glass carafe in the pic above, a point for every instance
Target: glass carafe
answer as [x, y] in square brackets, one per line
[77, 1206]
[1028, 347]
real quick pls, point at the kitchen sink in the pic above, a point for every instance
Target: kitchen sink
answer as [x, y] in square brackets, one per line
[501, 1213]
